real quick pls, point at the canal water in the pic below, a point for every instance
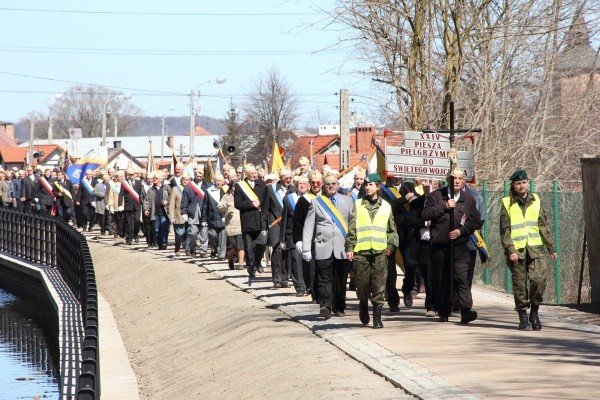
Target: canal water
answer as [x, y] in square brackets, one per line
[28, 353]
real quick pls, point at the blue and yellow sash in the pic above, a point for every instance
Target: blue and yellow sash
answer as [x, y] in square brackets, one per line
[87, 185]
[390, 192]
[334, 214]
[293, 198]
[477, 239]
[277, 194]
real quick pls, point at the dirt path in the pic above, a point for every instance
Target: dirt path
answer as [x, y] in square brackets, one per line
[190, 335]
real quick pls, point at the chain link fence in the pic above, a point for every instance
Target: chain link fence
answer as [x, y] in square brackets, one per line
[563, 276]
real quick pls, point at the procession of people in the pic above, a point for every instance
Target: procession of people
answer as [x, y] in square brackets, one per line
[313, 234]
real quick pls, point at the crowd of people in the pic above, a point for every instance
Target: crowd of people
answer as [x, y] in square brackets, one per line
[325, 239]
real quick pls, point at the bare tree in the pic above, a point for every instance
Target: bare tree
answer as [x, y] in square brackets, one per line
[271, 112]
[236, 136]
[501, 63]
[82, 107]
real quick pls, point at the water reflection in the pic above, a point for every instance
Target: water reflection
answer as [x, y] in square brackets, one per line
[28, 350]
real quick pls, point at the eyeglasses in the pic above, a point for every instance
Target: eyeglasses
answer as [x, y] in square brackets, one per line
[316, 182]
[330, 183]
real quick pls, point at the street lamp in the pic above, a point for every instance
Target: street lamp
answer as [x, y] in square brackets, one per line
[121, 96]
[218, 81]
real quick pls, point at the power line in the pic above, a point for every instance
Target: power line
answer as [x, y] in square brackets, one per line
[161, 52]
[167, 14]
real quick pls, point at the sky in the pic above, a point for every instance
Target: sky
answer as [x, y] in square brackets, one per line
[158, 51]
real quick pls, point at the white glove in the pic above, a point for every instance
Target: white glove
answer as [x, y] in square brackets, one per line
[204, 224]
[93, 203]
[263, 233]
[36, 200]
[282, 246]
[299, 246]
[184, 216]
[307, 256]
[121, 208]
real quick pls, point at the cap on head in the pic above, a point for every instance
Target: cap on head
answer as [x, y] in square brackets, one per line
[519, 175]
[373, 178]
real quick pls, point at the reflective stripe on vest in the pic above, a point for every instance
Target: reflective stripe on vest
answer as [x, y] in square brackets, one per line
[524, 229]
[371, 235]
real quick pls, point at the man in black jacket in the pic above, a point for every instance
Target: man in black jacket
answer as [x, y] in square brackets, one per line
[248, 197]
[273, 209]
[438, 208]
[130, 203]
[216, 224]
[85, 199]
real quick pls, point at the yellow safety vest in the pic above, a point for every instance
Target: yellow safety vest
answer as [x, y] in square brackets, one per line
[524, 229]
[371, 235]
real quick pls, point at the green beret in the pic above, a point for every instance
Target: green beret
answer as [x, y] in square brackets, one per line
[519, 175]
[373, 178]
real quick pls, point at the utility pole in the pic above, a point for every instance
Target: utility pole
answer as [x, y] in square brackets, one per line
[162, 142]
[50, 133]
[192, 123]
[116, 130]
[344, 130]
[31, 137]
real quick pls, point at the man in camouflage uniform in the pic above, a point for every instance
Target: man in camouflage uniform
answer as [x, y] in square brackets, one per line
[371, 238]
[525, 237]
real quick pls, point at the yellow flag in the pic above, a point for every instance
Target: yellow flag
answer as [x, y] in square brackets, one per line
[276, 160]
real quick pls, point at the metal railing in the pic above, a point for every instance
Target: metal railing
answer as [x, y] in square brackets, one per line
[50, 242]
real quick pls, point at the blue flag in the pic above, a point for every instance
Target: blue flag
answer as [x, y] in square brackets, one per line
[93, 160]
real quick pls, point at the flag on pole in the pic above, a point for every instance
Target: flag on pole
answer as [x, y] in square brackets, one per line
[276, 160]
[93, 160]
[150, 166]
[208, 171]
[376, 163]
[174, 162]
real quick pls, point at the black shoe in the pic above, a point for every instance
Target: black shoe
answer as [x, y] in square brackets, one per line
[300, 294]
[339, 314]
[325, 313]
[534, 318]
[277, 285]
[261, 270]
[284, 284]
[443, 318]
[377, 324]
[468, 316]
[523, 322]
[363, 312]
[128, 242]
[394, 309]
[408, 301]
[251, 273]
[231, 266]
[136, 239]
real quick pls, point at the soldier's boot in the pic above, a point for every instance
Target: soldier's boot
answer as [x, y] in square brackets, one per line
[377, 316]
[363, 311]
[536, 325]
[523, 322]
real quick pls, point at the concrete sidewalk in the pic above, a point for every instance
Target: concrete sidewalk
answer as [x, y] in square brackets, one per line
[488, 358]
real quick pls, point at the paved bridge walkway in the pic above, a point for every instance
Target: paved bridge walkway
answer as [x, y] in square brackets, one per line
[195, 329]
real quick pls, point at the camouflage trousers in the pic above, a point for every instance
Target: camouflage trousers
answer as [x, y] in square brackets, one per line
[529, 279]
[371, 275]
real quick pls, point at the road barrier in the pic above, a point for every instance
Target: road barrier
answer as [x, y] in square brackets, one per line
[49, 242]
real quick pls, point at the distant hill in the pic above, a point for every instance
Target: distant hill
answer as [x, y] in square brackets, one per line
[144, 126]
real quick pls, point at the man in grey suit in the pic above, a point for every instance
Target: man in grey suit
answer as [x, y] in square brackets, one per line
[327, 226]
